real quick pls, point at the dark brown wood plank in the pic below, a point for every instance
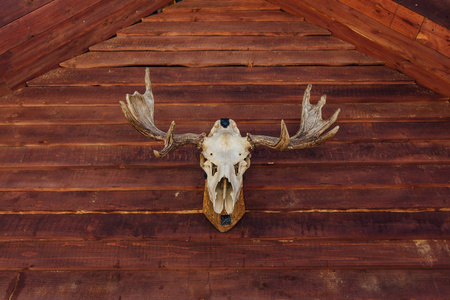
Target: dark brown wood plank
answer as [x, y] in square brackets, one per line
[308, 199]
[271, 176]
[221, 43]
[427, 66]
[406, 22]
[33, 23]
[8, 282]
[382, 11]
[236, 255]
[435, 10]
[221, 16]
[14, 9]
[221, 58]
[186, 226]
[294, 28]
[330, 153]
[267, 283]
[228, 5]
[134, 76]
[208, 94]
[434, 36]
[165, 113]
[45, 51]
[125, 134]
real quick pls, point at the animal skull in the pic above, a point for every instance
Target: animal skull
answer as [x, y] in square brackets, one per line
[225, 153]
[225, 158]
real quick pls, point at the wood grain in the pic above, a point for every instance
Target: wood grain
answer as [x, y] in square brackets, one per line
[426, 65]
[220, 43]
[273, 28]
[333, 200]
[165, 113]
[170, 76]
[228, 5]
[331, 153]
[221, 58]
[269, 283]
[13, 9]
[182, 227]
[44, 51]
[435, 36]
[216, 94]
[32, 24]
[221, 16]
[124, 134]
[122, 177]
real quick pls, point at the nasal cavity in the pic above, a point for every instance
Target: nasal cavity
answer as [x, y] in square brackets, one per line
[224, 122]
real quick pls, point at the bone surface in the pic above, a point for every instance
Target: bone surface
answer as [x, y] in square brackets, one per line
[225, 158]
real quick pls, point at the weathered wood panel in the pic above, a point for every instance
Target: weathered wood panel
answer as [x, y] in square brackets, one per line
[188, 177]
[427, 66]
[267, 283]
[221, 58]
[434, 36]
[382, 11]
[171, 76]
[294, 28]
[220, 43]
[216, 94]
[336, 199]
[33, 24]
[14, 9]
[165, 113]
[331, 153]
[226, 5]
[124, 134]
[220, 16]
[44, 51]
[435, 10]
[182, 227]
[406, 21]
[81, 193]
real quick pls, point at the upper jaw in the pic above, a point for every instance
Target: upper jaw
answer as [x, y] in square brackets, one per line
[224, 194]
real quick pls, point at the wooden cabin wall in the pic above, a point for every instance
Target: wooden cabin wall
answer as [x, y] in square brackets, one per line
[87, 212]
[37, 35]
[436, 10]
[405, 40]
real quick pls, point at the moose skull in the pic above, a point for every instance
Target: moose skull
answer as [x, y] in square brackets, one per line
[225, 153]
[225, 158]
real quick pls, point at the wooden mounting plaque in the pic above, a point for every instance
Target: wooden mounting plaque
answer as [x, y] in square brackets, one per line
[223, 222]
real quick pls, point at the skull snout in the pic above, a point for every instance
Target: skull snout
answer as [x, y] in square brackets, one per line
[226, 188]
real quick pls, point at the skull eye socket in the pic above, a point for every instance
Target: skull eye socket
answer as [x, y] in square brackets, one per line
[236, 169]
[213, 169]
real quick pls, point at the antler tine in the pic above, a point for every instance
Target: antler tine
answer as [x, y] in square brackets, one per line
[310, 132]
[139, 111]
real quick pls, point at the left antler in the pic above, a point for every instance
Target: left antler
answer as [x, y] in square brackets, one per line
[139, 112]
[311, 127]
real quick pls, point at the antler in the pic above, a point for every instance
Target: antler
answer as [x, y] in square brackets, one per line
[139, 112]
[311, 127]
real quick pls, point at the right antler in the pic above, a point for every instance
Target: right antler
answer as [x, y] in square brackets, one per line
[139, 112]
[311, 127]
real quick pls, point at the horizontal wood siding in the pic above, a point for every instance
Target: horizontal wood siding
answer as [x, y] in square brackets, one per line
[387, 31]
[87, 211]
[41, 34]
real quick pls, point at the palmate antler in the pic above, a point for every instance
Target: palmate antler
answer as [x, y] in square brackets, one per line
[139, 112]
[311, 127]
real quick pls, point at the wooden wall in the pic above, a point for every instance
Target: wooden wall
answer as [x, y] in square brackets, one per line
[37, 35]
[405, 40]
[86, 210]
